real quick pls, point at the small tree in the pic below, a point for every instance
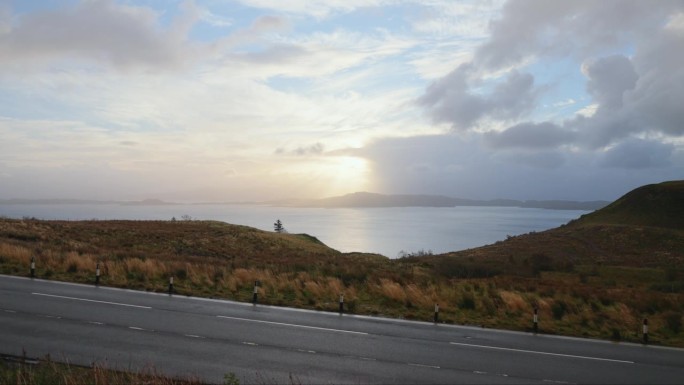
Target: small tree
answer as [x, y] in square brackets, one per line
[278, 226]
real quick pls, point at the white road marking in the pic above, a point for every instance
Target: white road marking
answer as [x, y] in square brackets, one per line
[250, 343]
[306, 351]
[92, 300]
[141, 329]
[292, 325]
[193, 336]
[368, 359]
[424, 366]
[544, 353]
[95, 323]
[51, 316]
[10, 311]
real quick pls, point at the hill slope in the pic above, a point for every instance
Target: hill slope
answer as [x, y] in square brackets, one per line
[643, 228]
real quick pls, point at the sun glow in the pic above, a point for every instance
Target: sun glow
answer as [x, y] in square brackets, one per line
[348, 174]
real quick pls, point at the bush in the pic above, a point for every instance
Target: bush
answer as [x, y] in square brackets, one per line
[673, 321]
[467, 302]
[558, 309]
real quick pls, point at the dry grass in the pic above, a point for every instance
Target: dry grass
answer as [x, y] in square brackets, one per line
[223, 261]
[48, 372]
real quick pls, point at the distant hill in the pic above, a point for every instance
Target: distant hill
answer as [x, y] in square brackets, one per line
[366, 199]
[644, 228]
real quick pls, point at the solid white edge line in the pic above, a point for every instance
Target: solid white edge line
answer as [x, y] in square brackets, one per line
[544, 353]
[292, 325]
[92, 300]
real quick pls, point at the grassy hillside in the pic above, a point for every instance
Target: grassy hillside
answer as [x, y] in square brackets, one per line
[598, 276]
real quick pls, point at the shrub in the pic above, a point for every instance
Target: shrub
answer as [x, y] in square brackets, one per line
[673, 321]
[558, 309]
[467, 302]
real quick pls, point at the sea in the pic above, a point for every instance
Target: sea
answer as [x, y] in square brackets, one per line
[392, 232]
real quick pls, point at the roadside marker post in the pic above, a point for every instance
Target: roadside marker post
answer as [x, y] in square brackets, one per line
[535, 320]
[341, 303]
[171, 285]
[256, 292]
[33, 267]
[97, 274]
[645, 330]
[436, 313]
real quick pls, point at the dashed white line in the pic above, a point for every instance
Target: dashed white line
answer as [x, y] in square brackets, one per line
[424, 366]
[306, 351]
[51, 316]
[141, 329]
[92, 300]
[95, 323]
[544, 353]
[10, 311]
[292, 325]
[250, 343]
[193, 336]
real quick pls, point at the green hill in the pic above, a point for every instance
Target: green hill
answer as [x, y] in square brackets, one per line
[644, 228]
[656, 205]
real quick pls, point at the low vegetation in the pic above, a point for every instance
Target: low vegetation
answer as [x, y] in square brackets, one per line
[22, 371]
[598, 276]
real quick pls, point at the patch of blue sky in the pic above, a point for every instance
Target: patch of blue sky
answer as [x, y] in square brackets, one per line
[363, 20]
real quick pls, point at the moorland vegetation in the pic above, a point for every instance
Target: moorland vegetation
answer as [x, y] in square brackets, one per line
[598, 276]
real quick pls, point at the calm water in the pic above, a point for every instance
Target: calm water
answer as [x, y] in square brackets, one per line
[386, 231]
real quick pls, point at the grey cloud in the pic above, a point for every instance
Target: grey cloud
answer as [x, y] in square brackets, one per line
[544, 135]
[451, 99]
[122, 35]
[461, 166]
[314, 149]
[634, 95]
[581, 27]
[638, 154]
[609, 78]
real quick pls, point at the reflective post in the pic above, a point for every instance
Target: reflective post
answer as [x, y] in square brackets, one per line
[436, 313]
[171, 285]
[535, 320]
[97, 274]
[645, 330]
[33, 267]
[341, 303]
[256, 292]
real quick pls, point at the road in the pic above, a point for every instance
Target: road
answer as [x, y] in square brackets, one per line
[210, 338]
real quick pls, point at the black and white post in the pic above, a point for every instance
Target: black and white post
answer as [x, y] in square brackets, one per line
[256, 292]
[33, 267]
[171, 285]
[341, 303]
[645, 330]
[436, 312]
[97, 274]
[535, 320]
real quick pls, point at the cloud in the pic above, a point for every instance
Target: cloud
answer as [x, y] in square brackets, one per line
[544, 135]
[631, 96]
[463, 166]
[105, 31]
[609, 78]
[638, 154]
[451, 99]
[314, 149]
[533, 28]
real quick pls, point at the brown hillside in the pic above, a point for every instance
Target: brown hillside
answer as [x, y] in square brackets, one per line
[644, 228]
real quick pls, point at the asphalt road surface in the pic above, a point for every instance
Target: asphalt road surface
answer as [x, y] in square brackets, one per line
[209, 338]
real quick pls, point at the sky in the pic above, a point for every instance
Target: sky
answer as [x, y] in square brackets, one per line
[251, 100]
